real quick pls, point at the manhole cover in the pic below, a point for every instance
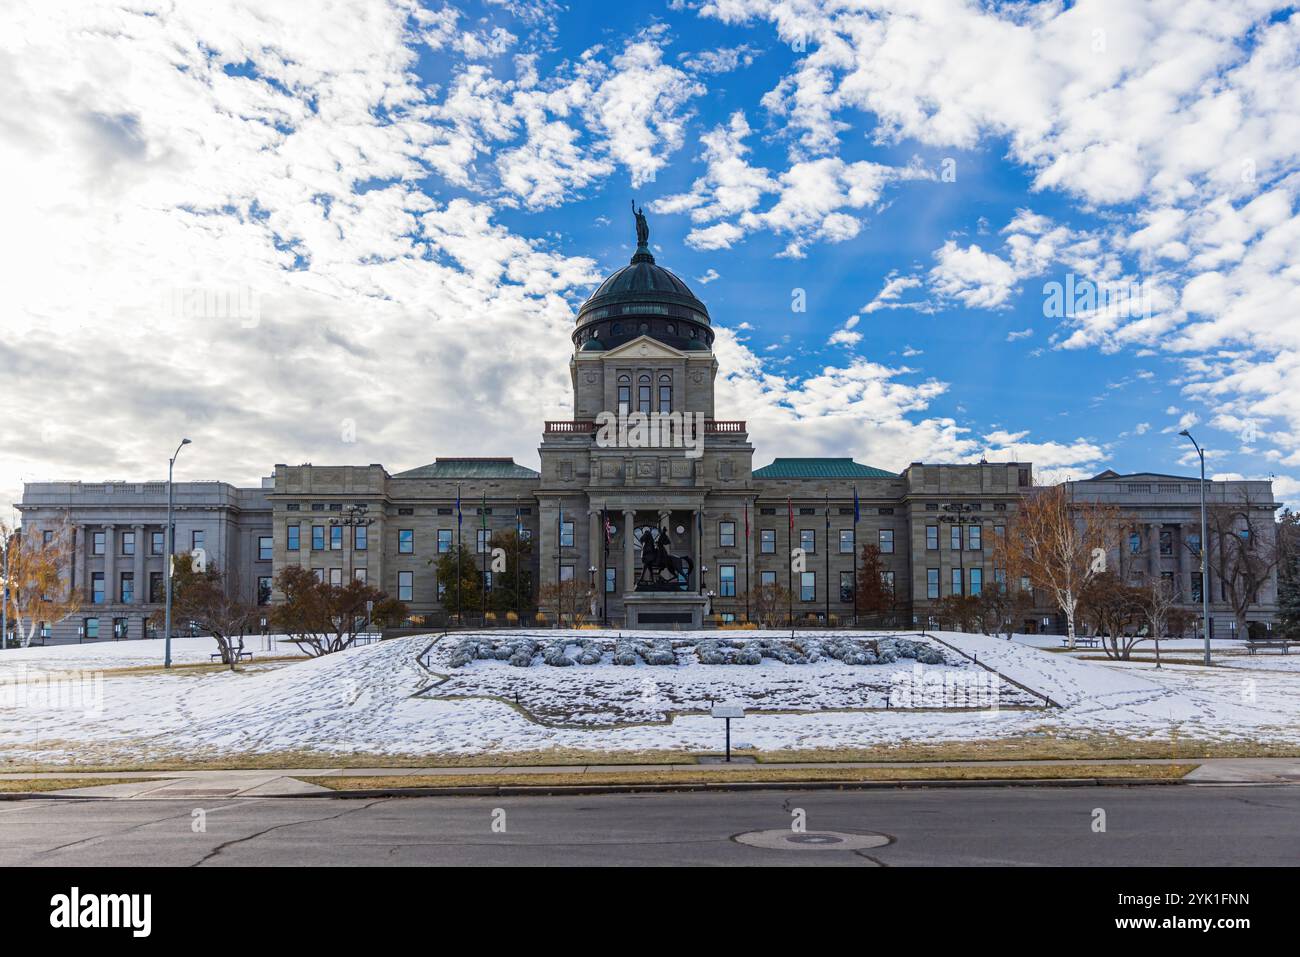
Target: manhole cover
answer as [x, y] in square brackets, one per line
[784, 840]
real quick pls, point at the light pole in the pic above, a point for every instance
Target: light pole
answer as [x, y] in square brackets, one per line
[1205, 565]
[171, 557]
[4, 593]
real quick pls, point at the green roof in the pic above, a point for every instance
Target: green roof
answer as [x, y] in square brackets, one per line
[472, 468]
[818, 469]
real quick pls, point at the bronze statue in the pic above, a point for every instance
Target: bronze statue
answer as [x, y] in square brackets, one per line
[642, 227]
[661, 570]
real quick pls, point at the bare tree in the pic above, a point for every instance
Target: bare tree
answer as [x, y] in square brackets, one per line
[1115, 610]
[1000, 607]
[1242, 552]
[39, 577]
[1058, 545]
[569, 599]
[321, 618]
[769, 604]
[1158, 599]
[202, 598]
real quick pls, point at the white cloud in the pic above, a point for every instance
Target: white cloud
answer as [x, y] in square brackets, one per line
[1020, 334]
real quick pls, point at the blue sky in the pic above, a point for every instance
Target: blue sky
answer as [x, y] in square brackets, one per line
[397, 206]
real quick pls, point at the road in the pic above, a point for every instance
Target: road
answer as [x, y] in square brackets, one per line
[1179, 825]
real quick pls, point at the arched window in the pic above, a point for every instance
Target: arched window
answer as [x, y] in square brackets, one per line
[624, 395]
[616, 328]
[643, 394]
[672, 328]
[665, 393]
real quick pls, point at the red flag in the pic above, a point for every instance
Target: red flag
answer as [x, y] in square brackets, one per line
[609, 530]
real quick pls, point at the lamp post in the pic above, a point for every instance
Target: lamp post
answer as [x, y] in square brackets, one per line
[1205, 565]
[4, 593]
[358, 517]
[171, 557]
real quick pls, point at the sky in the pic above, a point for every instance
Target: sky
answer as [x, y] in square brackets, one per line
[359, 230]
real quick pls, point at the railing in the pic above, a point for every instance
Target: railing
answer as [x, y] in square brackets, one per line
[580, 426]
[588, 426]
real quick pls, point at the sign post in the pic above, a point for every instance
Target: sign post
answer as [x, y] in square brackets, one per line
[727, 712]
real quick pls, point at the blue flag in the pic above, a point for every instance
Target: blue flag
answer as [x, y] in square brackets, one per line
[458, 506]
[857, 513]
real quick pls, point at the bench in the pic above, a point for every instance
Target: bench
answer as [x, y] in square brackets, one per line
[239, 656]
[1081, 640]
[1264, 644]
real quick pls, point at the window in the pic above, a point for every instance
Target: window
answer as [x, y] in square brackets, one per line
[956, 581]
[120, 629]
[406, 541]
[665, 393]
[265, 546]
[486, 579]
[726, 534]
[624, 395]
[1166, 542]
[976, 580]
[46, 538]
[767, 541]
[954, 538]
[566, 573]
[483, 540]
[807, 586]
[887, 541]
[442, 590]
[887, 581]
[808, 539]
[97, 588]
[198, 539]
[405, 585]
[975, 539]
[1025, 584]
[126, 588]
[336, 538]
[1000, 531]
[293, 507]
[611, 580]
[157, 542]
[932, 537]
[406, 511]
[727, 581]
[128, 543]
[92, 627]
[444, 541]
[1194, 542]
[846, 541]
[360, 538]
[566, 534]
[1134, 543]
[317, 538]
[97, 543]
[846, 587]
[264, 589]
[336, 577]
[1196, 588]
[766, 578]
[319, 573]
[359, 575]
[293, 540]
[643, 394]
[157, 594]
[932, 583]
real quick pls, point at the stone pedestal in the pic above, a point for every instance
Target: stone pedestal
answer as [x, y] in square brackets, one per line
[664, 611]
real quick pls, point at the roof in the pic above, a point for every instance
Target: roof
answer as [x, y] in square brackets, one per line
[1110, 475]
[819, 468]
[470, 468]
[643, 276]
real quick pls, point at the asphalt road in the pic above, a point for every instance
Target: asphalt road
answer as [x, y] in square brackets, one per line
[1179, 825]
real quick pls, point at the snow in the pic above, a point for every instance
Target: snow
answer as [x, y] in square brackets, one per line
[383, 699]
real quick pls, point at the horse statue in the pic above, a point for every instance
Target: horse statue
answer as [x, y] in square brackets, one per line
[660, 568]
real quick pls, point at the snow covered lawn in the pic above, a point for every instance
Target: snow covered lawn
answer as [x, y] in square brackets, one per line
[381, 699]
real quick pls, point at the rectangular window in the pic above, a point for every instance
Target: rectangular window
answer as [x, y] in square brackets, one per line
[932, 537]
[566, 573]
[975, 539]
[444, 541]
[265, 547]
[846, 541]
[157, 594]
[320, 574]
[624, 400]
[128, 543]
[126, 588]
[483, 540]
[954, 538]
[808, 540]
[767, 541]
[1196, 587]
[932, 583]
[405, 585]
[336, 538]
[566, 534]
[807, 586]
[887, 541]
[1166, 542]
[766, 578]
[359, 575]
[198, 539]
[97, 588]
[46, 538]
[956, 581]
[92, 627]
[1000, 531]
[976, 580]
[336, 577]
[726, 534]
[887, 581]
[643, 397]
[406, 541]
[727, 581]
[486, 579]
[665, 398]
[360, 538]
[611, 580]
[293, 540]
[846, 587]
[97, 543]
[120, 627]
[264, 589]
[1194, 542]
[157, 542]
[318, 538]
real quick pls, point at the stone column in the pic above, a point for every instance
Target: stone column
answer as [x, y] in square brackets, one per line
[137, 571]
[110, 565]
[697, 528]
[1180, 550]
[1153, 547]
[629, 562]
[596, 553]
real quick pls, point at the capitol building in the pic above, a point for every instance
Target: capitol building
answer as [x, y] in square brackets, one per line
[642, 352]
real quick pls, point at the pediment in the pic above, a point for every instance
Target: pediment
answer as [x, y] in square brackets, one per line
[642, 347]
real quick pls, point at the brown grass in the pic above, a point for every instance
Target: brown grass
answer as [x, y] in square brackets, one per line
[25, 785]
[753, 774]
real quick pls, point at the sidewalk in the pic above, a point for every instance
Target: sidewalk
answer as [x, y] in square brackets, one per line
[284, 782]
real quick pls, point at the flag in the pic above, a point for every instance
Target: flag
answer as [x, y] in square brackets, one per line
[746, 521]
[458, 507]
[789, 507]
[857, 512]
[484, 522]
[609, 529]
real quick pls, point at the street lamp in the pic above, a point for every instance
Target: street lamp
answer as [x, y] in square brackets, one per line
[1205, 567]
[171, 558]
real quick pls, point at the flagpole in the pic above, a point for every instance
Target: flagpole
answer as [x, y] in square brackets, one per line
[519, 528]
[559, 557]
[855, 556]
[604, 570]
[459, 620]
[828, 559]
[789, 570]
[747, 561]
[482, 585]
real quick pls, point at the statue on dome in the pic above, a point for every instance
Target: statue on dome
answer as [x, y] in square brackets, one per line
[642, 227]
